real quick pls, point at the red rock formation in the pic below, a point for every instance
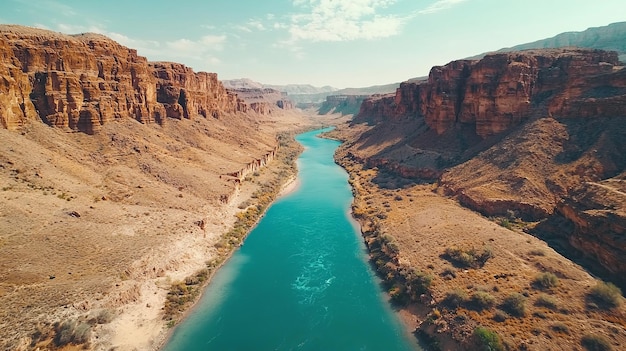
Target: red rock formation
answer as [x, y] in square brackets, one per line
[500, 90]
[285, 104]
[83, 81]
[185, 93]
[261, 107]
[253, 166]
[263, 101]
[591, 223]
[599, 217]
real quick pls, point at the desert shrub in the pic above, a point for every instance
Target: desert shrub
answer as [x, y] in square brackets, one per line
[606, 295]
[470, 257]
[71, 332]
[537, 252]
[515, 304]
[488, 340]
[505, 222]
[448, 273]
[418, 282]
[104, 316]
[500, 316]
[455, 298]
[481, 300]
[545, 281]
[560, 327]
[546, 301]
[595, 343]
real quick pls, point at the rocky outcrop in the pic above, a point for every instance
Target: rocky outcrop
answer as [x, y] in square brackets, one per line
[84, 81]
[501, 90]
[589, 226]
[185, 93]
[261, 107]
[535, 135]
[599, 217]
[285, 104]
[253, 166]
[263, 100]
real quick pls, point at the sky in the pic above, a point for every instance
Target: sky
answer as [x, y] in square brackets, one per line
[341, 43]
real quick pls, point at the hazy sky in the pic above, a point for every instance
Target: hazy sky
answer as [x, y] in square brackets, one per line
[343, 43]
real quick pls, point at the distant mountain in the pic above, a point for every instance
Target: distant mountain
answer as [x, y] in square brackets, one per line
[243, 83]
[611, 37]
[291, 89]
[375, 89]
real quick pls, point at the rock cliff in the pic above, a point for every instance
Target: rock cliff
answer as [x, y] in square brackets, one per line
[523, 134]
[84, 81]
[598, 213]
[185, 94]
[263, 100]
[501, 90]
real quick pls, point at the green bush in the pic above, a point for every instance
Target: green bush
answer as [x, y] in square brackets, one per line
[481, 300]
[595, 343]
[545, 281]
[515, 304]
[470, 257]
[71, 332]
[546, 301]
[537, 252]
[488, 340]
[500, 316]
[560, 327]
[606, 295]
[455, 298]
[419, 282]
[104, 317]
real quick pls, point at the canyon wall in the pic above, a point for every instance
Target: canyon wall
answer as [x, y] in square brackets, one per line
[84, 81]
[185, 93]
[501, 90]
[534, 136]
[263, 100]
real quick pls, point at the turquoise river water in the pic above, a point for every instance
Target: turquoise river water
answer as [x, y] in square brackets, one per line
[301, 280]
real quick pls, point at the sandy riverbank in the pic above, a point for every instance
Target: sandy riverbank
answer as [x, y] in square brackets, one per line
[291, 185]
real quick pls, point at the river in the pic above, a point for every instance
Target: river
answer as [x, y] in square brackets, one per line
[301, 280]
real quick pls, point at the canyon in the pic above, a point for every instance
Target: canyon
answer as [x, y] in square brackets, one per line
[120, 177]
[115, 185]
[531, 139]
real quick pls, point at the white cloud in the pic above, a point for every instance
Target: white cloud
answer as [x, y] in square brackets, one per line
[197, 49]
[143, 47]
[39, 25]
[440, 5]
[252, 25]
[342, 20]
[204, 44]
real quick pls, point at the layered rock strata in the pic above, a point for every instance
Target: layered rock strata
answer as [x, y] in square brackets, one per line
[531, 135]
[84, 81]
[263, 100]
[501, 90]
[185, 93]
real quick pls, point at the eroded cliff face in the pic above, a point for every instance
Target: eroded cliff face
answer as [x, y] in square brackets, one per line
[84, 81]
[501, 90]
[598, 213]
[185, 94]
[263, 101]
[525, 134]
